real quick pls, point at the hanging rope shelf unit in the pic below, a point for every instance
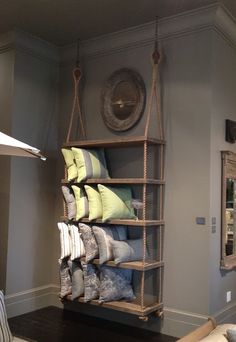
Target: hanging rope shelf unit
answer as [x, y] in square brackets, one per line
[147, 278]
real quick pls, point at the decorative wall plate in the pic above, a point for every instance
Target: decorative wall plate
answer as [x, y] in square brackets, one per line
[123, 99]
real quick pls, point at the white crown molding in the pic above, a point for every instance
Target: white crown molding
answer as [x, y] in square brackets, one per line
[24, 42]
[205, 18]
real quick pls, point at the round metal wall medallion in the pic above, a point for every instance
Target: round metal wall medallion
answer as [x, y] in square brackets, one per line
[123, 99]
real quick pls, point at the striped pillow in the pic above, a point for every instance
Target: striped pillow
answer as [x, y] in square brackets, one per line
[77, 245]
[5, 333]
[82, 209]
[104, 237]
[65, 240]
[90, 163]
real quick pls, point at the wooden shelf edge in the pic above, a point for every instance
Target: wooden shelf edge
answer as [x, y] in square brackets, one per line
[123, 306]
[134, 265]
[116, 181]
[136, 223]
[116, 142]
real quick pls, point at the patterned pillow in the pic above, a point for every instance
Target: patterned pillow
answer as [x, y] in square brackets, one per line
[72, 171]
[65, 278]
[90, 244]
[95, 202]
[90, 163]
[91, 282]
[5, 333]
[81, 200]
[77, 279]
[116, 202]
[70, 202]
[129, 250]
[115, 284]
[65, 240]
[104, 236]
[77, 245]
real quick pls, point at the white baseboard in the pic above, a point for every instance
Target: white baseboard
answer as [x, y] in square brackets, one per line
[33, 299]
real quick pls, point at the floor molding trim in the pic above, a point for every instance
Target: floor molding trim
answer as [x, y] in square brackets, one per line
[31, 300]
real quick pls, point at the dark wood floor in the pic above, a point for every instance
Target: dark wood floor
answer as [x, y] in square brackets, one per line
[56, 325]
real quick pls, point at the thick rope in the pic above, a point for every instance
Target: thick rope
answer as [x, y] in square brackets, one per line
[155, 94]
[76, 105]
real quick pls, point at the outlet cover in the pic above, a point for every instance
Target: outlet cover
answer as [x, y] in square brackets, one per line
[228, 296]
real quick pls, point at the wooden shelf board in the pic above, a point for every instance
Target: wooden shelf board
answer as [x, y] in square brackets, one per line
[117, 142]
[123, 306]
[134, 265]
[136, 223]
[117, 181]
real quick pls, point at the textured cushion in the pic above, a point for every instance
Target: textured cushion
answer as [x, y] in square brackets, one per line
[90, 163]
[77, 279]
[70, 202]
[77, 245]
[72, 172]
[81, 200]
[115, 284]
[116, 202]
[65, 278]
[91, 282]
[231, 334]
[5, 333]
[95, 202]
[129, 250]
[65, 240]
[104, 236]
[90, 244]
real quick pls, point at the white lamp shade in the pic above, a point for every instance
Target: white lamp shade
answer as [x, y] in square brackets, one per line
[13, 147]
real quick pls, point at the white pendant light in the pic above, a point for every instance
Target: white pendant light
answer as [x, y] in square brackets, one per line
[13, 147]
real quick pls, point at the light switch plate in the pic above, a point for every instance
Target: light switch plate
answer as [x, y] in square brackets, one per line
[201, 220]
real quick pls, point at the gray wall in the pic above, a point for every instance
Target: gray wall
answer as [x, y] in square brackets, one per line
[32, 188]
[187, 107]
[223, 80]
[6, 90]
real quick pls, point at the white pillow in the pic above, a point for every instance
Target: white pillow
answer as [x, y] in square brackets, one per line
[77, 245]
[5, 333]
[65, 240]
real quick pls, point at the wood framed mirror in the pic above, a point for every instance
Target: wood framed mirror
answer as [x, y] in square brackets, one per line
[228, 211]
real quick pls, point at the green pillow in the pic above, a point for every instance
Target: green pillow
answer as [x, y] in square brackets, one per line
[72, 172]
[116, 202]
[81, 200]
[90, 163]
[95, 202]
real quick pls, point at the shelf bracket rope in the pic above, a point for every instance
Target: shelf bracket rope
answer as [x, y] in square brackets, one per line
[76, 101]
[155, 91]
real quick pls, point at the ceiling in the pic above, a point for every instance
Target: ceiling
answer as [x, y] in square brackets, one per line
[62, 22]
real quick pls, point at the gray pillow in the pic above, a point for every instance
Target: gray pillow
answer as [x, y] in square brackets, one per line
[129, 250]
[91, 282]
[231, 335]
[70, 202]
[104, 236]
[90, 244]
[115, 284]
[65, 279]
[77, 279]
